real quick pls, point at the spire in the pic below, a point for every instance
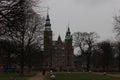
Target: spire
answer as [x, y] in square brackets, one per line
[59, 39]
[68, 34]
[48, 24]
[68, 29]
[48, 18]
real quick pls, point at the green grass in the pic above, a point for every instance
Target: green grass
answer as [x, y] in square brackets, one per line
[6, 76]
[81, 76]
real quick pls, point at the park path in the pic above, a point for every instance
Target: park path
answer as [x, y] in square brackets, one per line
[113, 75]
[38, 76]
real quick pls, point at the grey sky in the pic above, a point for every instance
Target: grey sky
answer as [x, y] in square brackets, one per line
[83, 15]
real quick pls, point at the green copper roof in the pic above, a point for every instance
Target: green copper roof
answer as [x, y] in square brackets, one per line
[68, 34]
[48, 24]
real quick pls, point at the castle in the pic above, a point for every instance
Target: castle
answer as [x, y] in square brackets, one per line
[57, 54]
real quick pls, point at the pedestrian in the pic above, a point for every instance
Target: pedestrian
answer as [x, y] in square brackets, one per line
[51, 72]
[43, 72]
[52, 77]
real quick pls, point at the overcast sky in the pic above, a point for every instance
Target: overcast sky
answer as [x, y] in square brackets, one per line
[83, 16]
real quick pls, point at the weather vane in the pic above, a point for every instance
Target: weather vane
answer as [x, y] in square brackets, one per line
[68, 24]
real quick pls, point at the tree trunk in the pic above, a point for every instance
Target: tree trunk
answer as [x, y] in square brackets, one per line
[29, 59]
[22, 62]
[88, 63]
[119, 63]
[22, 58]
[22, 67]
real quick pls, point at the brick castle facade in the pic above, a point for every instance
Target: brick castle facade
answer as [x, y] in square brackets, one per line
[57, 54]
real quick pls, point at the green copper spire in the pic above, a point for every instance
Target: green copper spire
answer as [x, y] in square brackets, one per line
[68, 34]
[48, 18]
[68, 29]
[48, 24]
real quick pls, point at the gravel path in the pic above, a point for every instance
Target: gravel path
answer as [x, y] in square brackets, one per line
[39, 76]
[113, 75]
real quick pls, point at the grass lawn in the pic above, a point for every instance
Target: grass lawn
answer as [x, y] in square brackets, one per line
[6, 76]
[81, 76]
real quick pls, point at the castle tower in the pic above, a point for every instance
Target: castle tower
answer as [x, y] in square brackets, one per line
[68, 49]
[48, 43]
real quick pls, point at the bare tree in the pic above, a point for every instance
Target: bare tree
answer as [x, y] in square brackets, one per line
[22, 25]
[117, 25]
[85, 41]
[107, 55]
[117, 30]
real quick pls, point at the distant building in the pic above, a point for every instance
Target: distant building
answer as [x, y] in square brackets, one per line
[57, 54]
